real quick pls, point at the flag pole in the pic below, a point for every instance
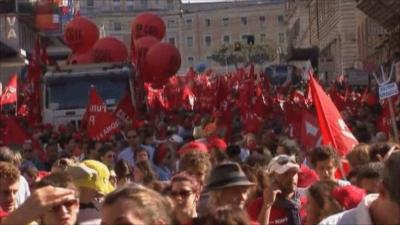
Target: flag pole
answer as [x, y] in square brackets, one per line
[16, 99]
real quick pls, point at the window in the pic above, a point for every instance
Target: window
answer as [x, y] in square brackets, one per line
[208, 22]
[263, 38]
[189, 22]
[243, 21]
[262, 20]
[129, 5]
[171, 23]
[244, 38]
[90, 3]
[170, 4]
[171, 41]
[207, 40]
[225, 22]
[189, 41]
[116, 5]
[227, 39]
[190, 60]
[143, 4]
[280, 19]
[117, 26]
[281, 38]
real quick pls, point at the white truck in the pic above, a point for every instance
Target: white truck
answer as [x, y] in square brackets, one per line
[65, 89]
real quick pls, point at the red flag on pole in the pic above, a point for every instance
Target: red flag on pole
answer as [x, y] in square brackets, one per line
[310, 136]
[333, 129]
[9, 95]
[101, 124]
[125, 110]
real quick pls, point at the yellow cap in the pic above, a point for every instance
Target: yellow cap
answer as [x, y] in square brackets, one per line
[92, 174]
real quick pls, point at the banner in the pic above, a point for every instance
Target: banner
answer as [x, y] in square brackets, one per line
[333, 129]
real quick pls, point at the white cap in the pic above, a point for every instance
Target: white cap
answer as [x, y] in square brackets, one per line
[281, 164]
[175, 139]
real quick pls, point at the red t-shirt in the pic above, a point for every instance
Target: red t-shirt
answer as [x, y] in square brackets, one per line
[278, 216]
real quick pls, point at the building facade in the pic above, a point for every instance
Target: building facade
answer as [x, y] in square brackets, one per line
[196, 29]
[381, 19]
[332, 27]
[207, 26]
[370, 39]
[298, 24]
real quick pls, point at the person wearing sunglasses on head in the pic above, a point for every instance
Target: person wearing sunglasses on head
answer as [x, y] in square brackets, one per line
[185, 193]
[280, 204]
[55, 201]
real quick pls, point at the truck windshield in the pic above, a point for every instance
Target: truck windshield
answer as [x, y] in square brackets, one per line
[72, 92]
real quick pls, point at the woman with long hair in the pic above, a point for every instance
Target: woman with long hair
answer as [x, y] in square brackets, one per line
[144, 174]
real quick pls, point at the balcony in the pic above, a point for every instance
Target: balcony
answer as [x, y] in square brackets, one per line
[385, 12]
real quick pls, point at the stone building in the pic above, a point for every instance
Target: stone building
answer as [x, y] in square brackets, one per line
[196, 29]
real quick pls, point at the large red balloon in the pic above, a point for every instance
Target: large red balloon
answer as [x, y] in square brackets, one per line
[81, 34]
[110, 49]
[142, 46]
[82, 58]
[162, 61]
[148, 24]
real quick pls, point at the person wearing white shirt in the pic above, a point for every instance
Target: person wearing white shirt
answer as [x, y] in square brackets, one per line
[376, 209]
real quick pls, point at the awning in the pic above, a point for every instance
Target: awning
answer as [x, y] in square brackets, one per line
[385, 12]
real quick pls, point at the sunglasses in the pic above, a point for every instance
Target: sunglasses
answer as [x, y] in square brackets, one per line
[131, 136]
[283, 160]
[182, 193]
[67, 204]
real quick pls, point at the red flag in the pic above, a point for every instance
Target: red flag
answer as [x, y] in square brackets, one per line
[384, 122]
[9, 95]
[310, 133]
[125, 110]
[13, 133]
[333, 129]
[101, 124]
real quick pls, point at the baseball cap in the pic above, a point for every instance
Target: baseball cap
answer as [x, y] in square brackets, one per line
[92, 174]
[281, 164]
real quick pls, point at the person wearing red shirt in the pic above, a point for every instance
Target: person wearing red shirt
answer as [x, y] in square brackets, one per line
[280, 204]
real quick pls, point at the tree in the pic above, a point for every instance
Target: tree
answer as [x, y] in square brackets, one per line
[239, 53]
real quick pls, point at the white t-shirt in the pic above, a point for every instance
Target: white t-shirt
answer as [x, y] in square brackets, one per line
[359, 215]
[23, 191]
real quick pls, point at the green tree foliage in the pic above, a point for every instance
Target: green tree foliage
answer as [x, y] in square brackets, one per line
[233, 54]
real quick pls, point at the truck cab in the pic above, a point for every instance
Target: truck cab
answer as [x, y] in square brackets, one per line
[65, 90]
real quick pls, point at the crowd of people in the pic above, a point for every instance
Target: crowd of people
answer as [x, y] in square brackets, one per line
[159, 173]
[211, 167]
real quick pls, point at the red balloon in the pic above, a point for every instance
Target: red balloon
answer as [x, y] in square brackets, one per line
[82, 58]
[81, 34]
[110, 49]
[142, 46]
[162, 61]
[148, 24]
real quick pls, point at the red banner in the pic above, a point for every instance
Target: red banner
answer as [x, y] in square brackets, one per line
[101, 124]
[333, 129]
[9, 95]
